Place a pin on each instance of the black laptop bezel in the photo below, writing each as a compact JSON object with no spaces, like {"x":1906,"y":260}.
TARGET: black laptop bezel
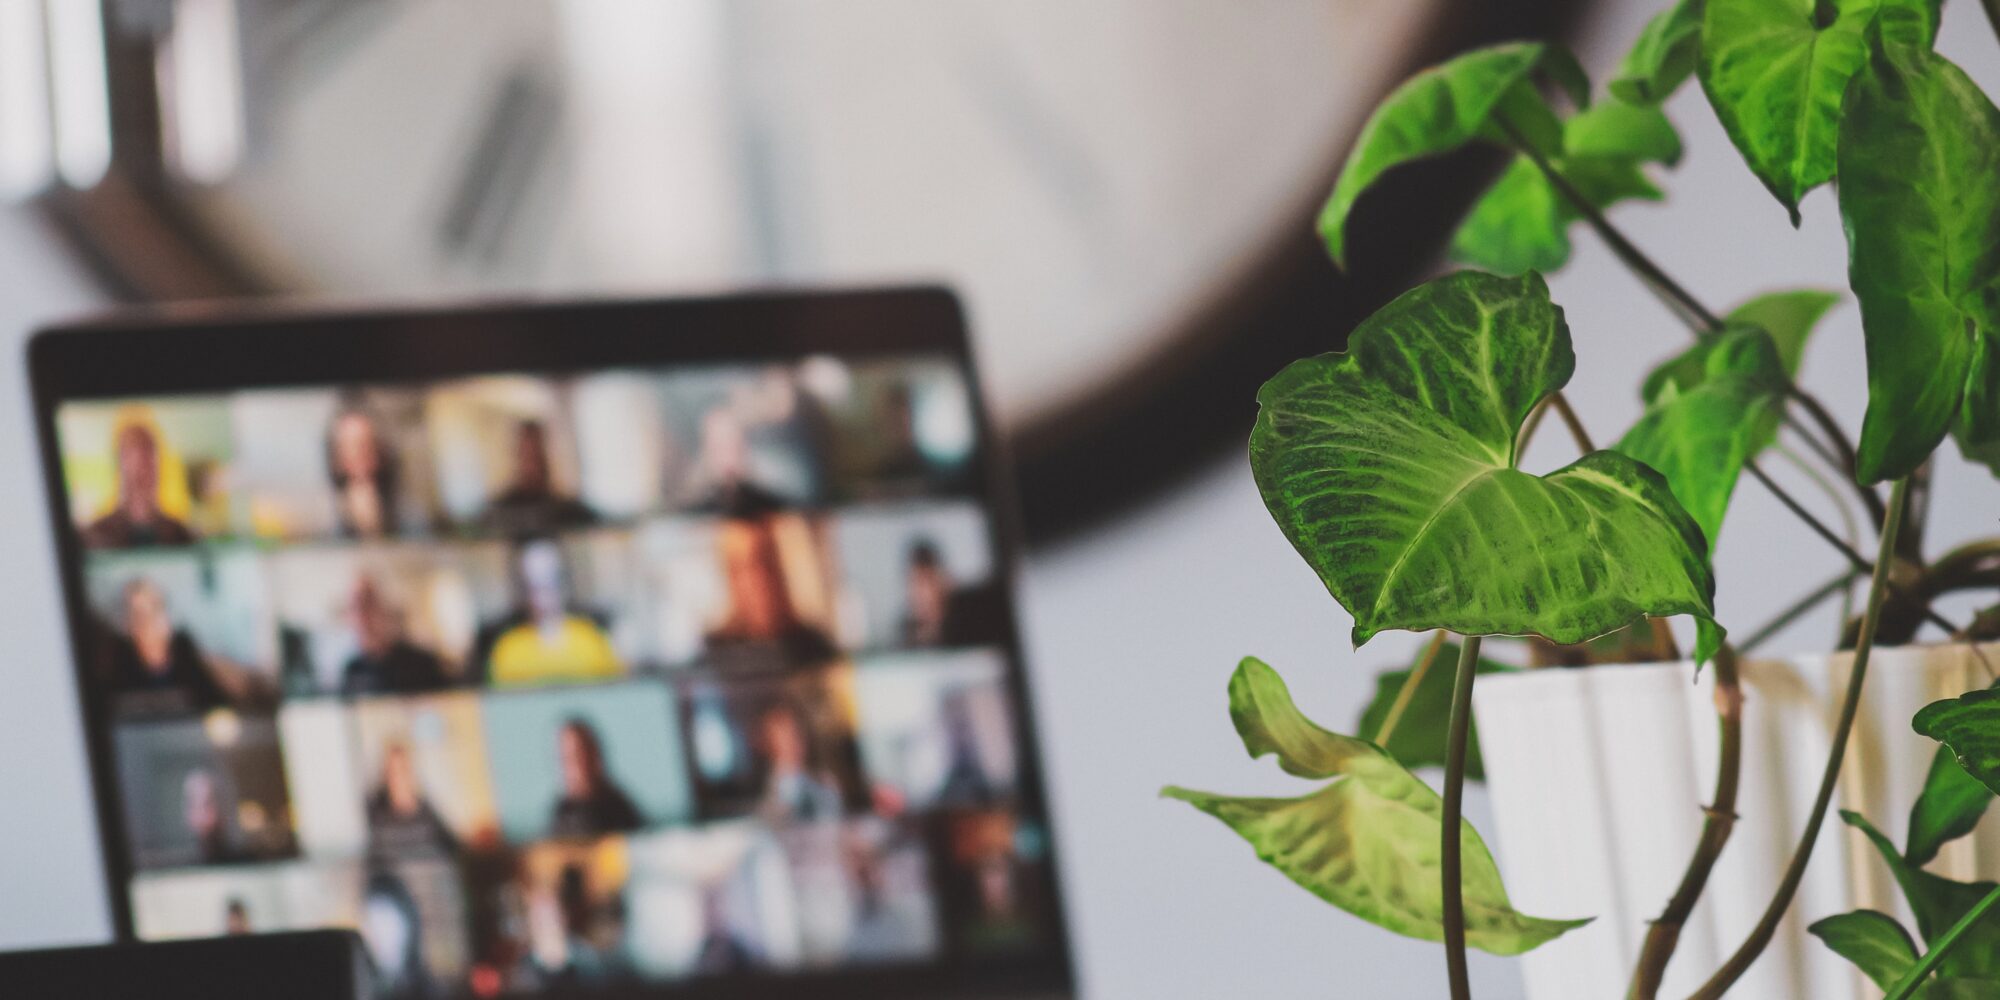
{"x":224,"y":347}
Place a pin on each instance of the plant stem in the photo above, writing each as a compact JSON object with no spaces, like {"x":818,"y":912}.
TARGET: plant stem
{"x":1915,"y":977}
{"x":1878,"y":590}
{"x":1699,"y":319}
{"x":1854,"y":558}
{"x":1454,"y":800}
{"x":1576,"y":431}
{"x":1409,"y":689}
{"x":1634,"y":258}
{"x":1718,"y":821}
{"x":1849,"y":531}
{"x":1792,"y":614}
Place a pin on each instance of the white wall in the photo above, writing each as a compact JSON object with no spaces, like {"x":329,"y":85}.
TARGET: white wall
{"x":1133,"y":632}
{"x":51,"y":890}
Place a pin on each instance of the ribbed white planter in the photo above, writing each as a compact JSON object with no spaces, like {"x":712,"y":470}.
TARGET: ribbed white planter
{"x":1598,"y":777}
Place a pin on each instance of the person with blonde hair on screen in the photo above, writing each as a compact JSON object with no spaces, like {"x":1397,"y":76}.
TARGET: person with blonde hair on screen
{"x":136,"y":517}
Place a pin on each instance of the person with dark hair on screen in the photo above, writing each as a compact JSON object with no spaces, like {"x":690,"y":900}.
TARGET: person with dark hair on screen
{"x":591,"y":803}
{"x":386,"y":662}
{"x":156,"y":668}
{"x":401,"y":821}
{"x":362,"y":466}
{"x":721,"y":951}
{"x":136,"y":519}
{"x":937,"y":611}
{"x":235,"y":917}
{"x":530,"y":505}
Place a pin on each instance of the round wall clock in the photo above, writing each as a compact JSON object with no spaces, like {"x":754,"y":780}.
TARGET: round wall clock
{"x":1121,"y":190}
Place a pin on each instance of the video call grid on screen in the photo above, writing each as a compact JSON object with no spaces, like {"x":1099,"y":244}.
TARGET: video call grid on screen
{"x":648,"y":674}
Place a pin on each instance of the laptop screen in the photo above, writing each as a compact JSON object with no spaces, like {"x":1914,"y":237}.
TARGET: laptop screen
{"x":632,"y":676}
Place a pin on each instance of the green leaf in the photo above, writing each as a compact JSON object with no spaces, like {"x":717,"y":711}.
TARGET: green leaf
{"x":1619,"y":130}
{"x":1700,"y":437}
{"x":1775,"y":71}
{"x":1948,"y":808}
{"x":1960,"y":989}
{"x":1969,"y":725}
{"x":1367,"y":842}
{"x":1873,"y":941}
{"x":1662,"y":57}
{"x":1419,"y":737}
{"x":1789,"y":317}
{"x":1919,"y":154}
{"x":1435,"y":112}
{"x":1938,"y":903}
{"x":1392,"y":470}
{"x":1521,"y":223}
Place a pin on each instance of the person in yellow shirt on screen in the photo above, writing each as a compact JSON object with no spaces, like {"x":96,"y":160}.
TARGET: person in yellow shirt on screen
{"x":550,"y":644}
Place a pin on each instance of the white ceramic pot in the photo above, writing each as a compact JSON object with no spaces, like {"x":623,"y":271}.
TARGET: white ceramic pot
{"x":1598,"y":777}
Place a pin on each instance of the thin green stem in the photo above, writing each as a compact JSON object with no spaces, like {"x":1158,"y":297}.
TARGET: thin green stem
{"x":1850,"y":531}
{"x":1912,"y":979}
{"x":1409,"y":689}
{"x":1854,"y":557}
{"x":1788,"y":886}
{"x":1699,"y":319}
{"x":1569,"y":419}
{"x":1718,"y":821}
{"x":1454,"y":801}
{"x":1797,"y":610}
{"x":1679,"y":299}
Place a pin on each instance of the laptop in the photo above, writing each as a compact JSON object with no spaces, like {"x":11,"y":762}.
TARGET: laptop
{"x":624,"y":649}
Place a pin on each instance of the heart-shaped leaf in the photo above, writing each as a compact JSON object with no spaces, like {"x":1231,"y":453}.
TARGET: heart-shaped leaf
{"x":1872,"y":940}
{"x":1419,"y":737}
{"x":1775,"y":71}
{"x":1919,"y":158}
{"x":1368,"y":841}
{"x":1522,"y":222}
{"x":1969,"y":725}
{"x":1701,"y":436}
{"x":1938,"y":903}
{"x":1442,"y":109}
{"x":1948,"y":808}
{"x":1662,"y":57}
{"x":1392,"y":470}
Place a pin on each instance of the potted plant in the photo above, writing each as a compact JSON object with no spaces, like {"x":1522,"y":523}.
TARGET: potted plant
{"x":1393,"y":467}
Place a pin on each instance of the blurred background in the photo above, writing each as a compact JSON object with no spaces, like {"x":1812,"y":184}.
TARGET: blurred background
{"x":1122,"y":192}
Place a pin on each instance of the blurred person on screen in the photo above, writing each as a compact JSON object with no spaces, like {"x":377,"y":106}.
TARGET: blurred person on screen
{"x":401,"y":820}
{"x":204,"y":813}
{"x":392,"y":929}
{"x":760,"y":605}
{"x":722,"y":481}
{"x":361,"y":465}
{"x":792,"y":791}
{"x":937,"y":611}
{"x":579,"y":940}
{"x":591,"y":803}
{"x":156,"y":667}
{"x":530,"y":504}
{"x":721,"y":951}
{"x":387,"y":662}
{"x":235,"y":917}
{"x":545,"y":642}
{"x":136,"y":518}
